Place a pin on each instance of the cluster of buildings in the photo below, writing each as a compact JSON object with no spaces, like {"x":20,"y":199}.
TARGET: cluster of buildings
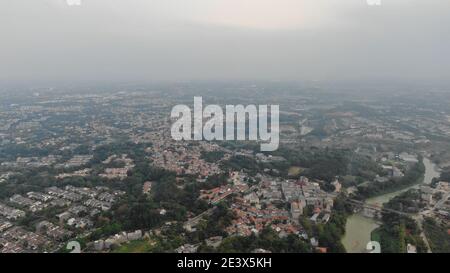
{"x":5,"y":176}
{"x":78,"y":173}
{"x":32,"y":205}
{"x":350,"y":125}
{"x":279,"y":204}
{"x":118,"y":173}
{"x":182,"y":157}
{"x":11,"y":213}
{"x":117,"y":240}
{"x":299,"y":194}
{"x":275,"y":202}
{"x":75,"y":161}
{"x":187,"y":248}
{"x":250,"y":219}
{"x":394,"y":165}
{"x":437,"y":200}
{"x":17,"y":240}
{"x":215,"y":195}
{"x":270,"y":202}
{"x":49,"y":161}
{"x":75,"y":209}
{"x":31,"y":162}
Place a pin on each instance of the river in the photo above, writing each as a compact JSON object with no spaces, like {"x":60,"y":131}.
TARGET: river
{"x":359,"y":228}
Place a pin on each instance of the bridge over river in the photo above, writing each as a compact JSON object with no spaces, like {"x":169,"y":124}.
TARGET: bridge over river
{"x":360,"y":227}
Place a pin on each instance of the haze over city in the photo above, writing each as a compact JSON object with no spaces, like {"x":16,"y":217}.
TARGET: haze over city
{"x":171,"y":40}
{"x":225,"y":126}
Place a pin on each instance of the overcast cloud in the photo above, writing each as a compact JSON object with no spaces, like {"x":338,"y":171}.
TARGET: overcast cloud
{"x":152,"y":40}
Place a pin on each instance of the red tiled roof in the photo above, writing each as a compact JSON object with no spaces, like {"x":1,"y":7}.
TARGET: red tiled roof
{"x":322,"y":249}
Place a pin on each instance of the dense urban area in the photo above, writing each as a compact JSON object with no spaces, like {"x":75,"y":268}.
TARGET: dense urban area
{"x":97,"y":165}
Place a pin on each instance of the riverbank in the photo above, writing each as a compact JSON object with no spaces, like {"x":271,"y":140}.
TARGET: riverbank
{"x":359,"y":228}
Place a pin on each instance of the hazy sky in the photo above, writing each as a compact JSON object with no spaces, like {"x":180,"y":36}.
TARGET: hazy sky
{"x":152,"y":40}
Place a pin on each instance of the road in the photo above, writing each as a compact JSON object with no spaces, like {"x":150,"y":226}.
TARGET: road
{"x":194,"y":221}
{"x":441,"y":202}
{"x":419,"y":219}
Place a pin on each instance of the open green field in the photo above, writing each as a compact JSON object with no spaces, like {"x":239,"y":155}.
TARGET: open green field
{"x":139,"y":246}
{"x":295,"y":170}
